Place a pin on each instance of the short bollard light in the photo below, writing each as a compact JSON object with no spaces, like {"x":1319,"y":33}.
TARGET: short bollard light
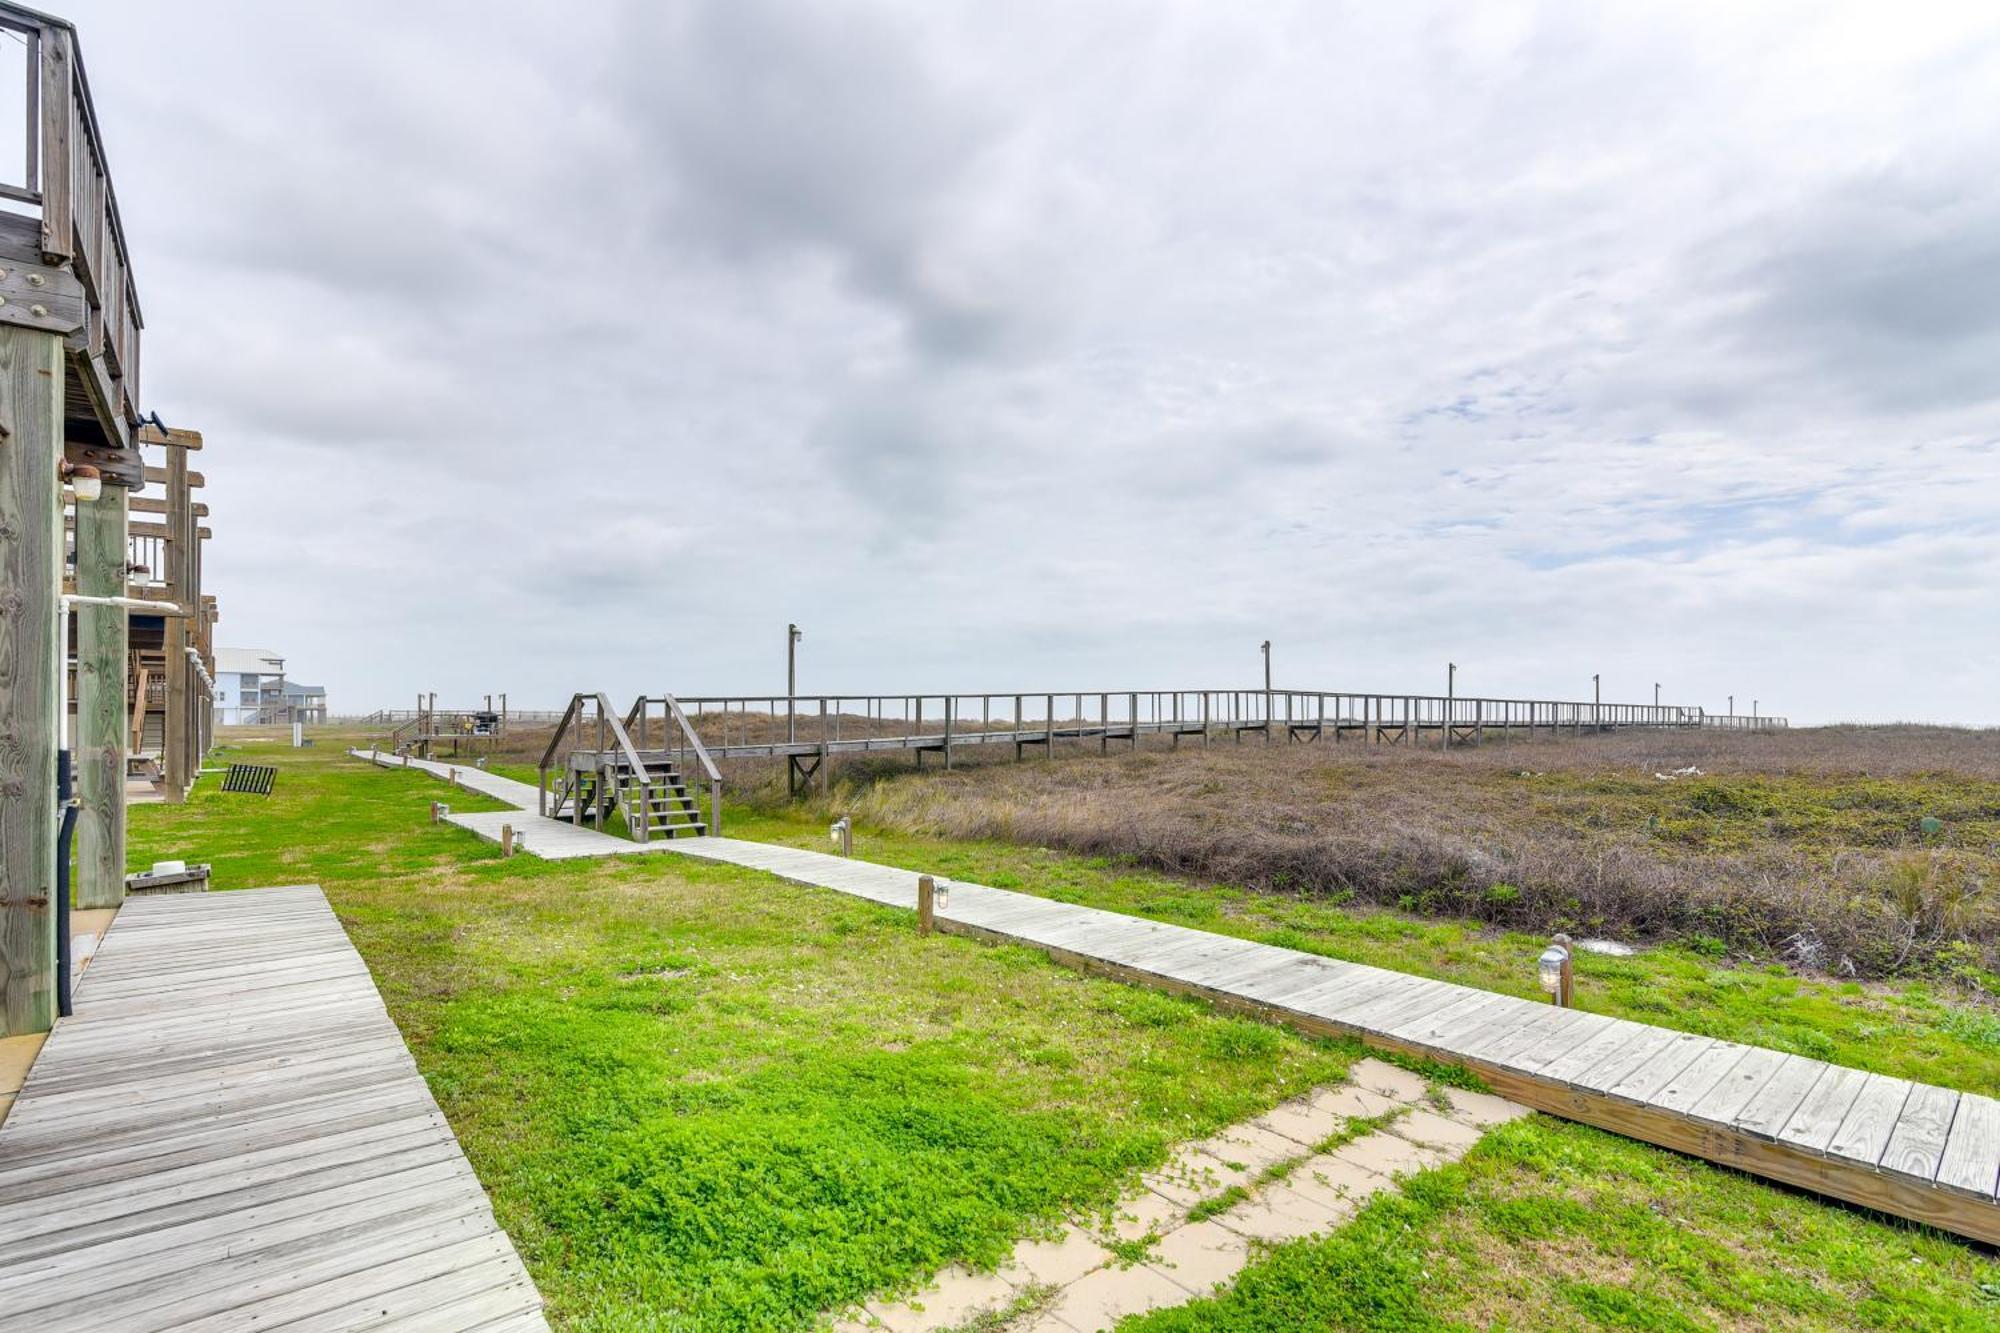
{"x":444,"y":811}
{"x":941,"y":897}
{"x":841,"y":831}
{"x":1553,"y":969}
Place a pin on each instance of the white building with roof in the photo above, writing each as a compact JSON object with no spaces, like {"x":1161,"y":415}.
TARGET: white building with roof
{"x":250,"y":688}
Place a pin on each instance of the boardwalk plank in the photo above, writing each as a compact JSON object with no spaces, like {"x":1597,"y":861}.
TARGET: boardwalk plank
{"x":1916,"y":1145}
{"x":1971,"y":1161}
{"x":1864,"y":1131}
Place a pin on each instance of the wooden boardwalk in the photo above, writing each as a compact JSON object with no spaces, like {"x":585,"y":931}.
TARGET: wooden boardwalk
{"x":1914,"y":1150}
{"x":552,"y":839}
{"x":231,"y":1134}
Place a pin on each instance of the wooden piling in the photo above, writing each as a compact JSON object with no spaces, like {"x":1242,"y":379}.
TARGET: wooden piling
{"x":926,"y":896}
{"x":101,"y":647}
{"x":31,"y":644}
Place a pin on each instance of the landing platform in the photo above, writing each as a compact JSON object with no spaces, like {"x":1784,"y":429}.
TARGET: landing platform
{"x":230,"y":1133}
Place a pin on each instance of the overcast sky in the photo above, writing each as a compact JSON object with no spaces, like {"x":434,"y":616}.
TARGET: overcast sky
{"x":1082,"y":345}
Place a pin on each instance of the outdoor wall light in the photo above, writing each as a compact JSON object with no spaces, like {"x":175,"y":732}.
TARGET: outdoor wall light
{"x":85,"y":480}
{"x":1553,"y":970}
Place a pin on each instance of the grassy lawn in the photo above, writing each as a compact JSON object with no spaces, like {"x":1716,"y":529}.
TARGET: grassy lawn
{"x":703,"y":1098}
{"x":1915,"y":1030}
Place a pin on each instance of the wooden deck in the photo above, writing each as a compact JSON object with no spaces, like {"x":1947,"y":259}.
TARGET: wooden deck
{"x":231,"y":1134}
{"x":1914,"y":1150}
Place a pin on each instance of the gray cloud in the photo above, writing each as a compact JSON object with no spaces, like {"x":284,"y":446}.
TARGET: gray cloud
{"x":1048,"y":343}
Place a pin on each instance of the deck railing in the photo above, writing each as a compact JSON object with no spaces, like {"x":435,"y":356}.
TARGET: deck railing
{"x":62,"y":171}
{"x":775,"y":724}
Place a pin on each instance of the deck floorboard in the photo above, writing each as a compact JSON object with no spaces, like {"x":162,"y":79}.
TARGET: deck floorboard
{"x":231,"y":1133}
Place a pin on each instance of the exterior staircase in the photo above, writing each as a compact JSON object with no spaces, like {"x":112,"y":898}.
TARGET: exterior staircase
{"x":659,"y":804}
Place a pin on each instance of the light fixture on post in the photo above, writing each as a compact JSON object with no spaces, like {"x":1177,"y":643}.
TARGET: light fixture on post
{"x":841,"y":831}
{"x":1554,"y":971}
{"x":85,"y":480}
{"x":941,"y":896}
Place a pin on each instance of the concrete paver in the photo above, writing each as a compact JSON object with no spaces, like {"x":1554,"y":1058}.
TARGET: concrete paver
{"x":1200,"y":1255}
{"x":1387,"y":1079}
{"x":1055,"y":1262}
{"x":1436,"y":1131}
{"x":1100,"y":1299}
{"x":1389,"y":1154}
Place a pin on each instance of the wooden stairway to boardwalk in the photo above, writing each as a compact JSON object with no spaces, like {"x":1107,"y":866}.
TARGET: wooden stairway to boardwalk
{"x":655,"y":804}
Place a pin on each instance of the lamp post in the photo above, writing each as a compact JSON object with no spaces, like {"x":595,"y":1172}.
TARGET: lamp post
{"x":1267,"y":666}
{"x":1732,"y":705}
{"x":1596,"y":700}
{"x":1656,"y":694}
{"x":792,"y":636}
{"x":1450,"y":694}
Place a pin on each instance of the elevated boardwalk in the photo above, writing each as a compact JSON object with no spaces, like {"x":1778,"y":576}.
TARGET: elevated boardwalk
{"x":231,"y":1134}
{"x":1913,"y":1150}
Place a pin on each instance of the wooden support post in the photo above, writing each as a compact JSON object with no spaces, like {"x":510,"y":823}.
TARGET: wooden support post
{"x":950,"y":712}
{"x":176,"y":745}
{"x":31,"y":643}
{"x":100,"y":700}
{"x":926,"y":895}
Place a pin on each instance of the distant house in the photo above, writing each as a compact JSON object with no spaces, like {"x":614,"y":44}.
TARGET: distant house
{"x":305,"y":703}
{"x":251,"y":690}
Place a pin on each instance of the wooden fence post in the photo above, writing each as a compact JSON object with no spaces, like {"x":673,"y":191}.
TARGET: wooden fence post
{"x":926,"y":893}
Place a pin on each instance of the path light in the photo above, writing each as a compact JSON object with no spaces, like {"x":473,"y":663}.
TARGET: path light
{"x":841,"y":831}
{"x":85,"y":480}
{"x":941,"y":896}
{"x":1553,"y":970}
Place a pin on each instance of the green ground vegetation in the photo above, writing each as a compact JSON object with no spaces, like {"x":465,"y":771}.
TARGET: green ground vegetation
{"x":702,"y":1098}
{"x":1915,"y":1030}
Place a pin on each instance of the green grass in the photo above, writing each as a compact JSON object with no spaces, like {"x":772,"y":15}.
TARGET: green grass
{"x":702,"y":1098}
{"x":1546,"y":1225}
{"x":1913,"y":1030}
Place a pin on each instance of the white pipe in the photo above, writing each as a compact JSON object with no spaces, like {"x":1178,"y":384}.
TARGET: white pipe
{"x":194,"y":658}
{"x":70,"y":599}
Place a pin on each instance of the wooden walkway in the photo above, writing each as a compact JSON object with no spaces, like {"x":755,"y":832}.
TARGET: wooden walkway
{"x":231,"y":1134}
{"x":1914,"y":1150}
{"x":552,"y":839}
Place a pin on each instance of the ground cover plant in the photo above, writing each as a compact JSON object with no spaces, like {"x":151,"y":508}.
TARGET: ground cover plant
{"x":702,"y":1098}
{"x":1855,"y":852}
{"x":1912,"y":1027}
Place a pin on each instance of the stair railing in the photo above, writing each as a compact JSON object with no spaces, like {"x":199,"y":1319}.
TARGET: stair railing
{"x":609,"y":729}
{"x":687,"y":745}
